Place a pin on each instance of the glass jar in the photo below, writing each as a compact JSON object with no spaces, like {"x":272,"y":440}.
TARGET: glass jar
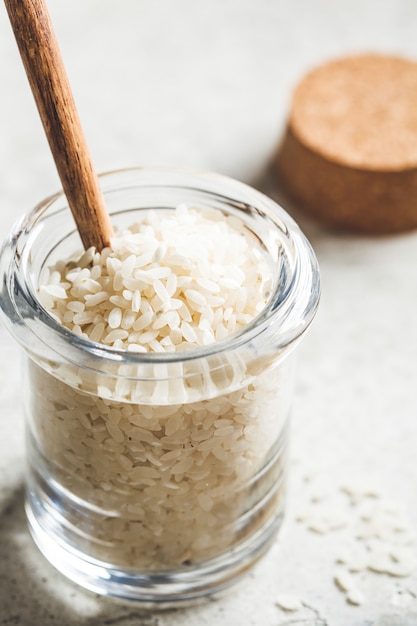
{"x":157,"y":477}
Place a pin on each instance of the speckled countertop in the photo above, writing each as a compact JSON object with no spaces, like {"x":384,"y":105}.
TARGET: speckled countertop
{"x":206,"y":85}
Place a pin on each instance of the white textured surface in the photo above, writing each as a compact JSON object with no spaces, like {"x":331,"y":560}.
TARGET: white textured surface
{"x":207,"y":85}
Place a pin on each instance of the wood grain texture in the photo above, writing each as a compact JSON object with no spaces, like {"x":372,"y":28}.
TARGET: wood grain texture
{"x":44,"y":67}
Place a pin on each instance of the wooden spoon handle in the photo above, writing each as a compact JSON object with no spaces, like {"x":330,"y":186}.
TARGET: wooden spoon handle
{"x":44,"y":67}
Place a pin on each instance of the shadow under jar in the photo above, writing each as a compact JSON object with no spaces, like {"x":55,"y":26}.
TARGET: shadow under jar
{"x":158,"y":477}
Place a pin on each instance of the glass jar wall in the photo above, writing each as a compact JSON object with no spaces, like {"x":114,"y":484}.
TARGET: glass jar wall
{"x":158,"y":477}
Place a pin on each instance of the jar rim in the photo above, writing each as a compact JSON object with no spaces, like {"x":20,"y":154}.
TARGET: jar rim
{"x":285,"y":309}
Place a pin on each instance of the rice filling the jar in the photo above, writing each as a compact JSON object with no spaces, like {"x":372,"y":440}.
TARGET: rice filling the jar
{"x":159,"y":380}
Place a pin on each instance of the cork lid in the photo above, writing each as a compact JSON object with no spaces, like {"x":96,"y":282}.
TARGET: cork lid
{"x":360,"y":111}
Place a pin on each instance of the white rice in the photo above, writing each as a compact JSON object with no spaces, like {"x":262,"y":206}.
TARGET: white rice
{"x":168,"y":453}
{"x":170,"y":273}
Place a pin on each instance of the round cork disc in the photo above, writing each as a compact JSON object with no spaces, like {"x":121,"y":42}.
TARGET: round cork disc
{"x":349,"y":154}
